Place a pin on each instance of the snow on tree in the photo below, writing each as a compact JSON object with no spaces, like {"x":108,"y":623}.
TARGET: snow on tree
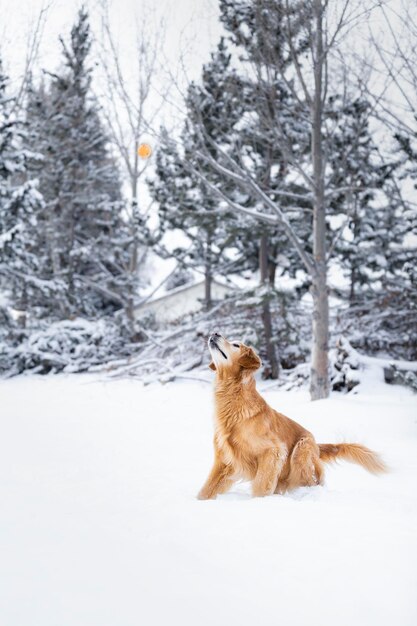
{"x":184,"y":201}
{"x":270,"y":160}
{"x":87,"y":238}
{"x":358,"y":176}
{"x":273,"y":121}
{"x":295,"y":40}
{"x":371,"y":245}
{"x":21,"y":256}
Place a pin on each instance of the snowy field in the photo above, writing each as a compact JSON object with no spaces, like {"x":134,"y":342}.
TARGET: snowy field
{"x":100,"y":525}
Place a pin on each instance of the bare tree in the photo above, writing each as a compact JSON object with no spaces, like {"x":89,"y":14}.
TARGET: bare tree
{"x":323,"y":25}
{"x":394,"y":60}
{"x":131,"y":110}
{"x":33,"y":41}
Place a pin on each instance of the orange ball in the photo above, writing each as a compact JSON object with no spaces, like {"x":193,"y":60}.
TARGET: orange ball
{"x":144,"y":151}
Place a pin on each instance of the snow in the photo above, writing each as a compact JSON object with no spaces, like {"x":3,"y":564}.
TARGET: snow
{"x":100,"y":524}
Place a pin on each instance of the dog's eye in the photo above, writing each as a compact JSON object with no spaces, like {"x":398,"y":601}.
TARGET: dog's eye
{"x":236,"y":345}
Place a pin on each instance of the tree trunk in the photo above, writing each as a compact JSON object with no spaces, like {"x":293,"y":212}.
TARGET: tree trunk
{"x":266,"y":311}
{"x":130,"y":309}
{"x":208,"y":278}
{"x":133,"y":263}
{"x":272,"y":266}
{"x":352,"y":291}
{"x":319,"y":375}
{"x":207,"y":288}
{"x":319,"y":380}
{"x":354,"y":266}
{"x":71,"y":307}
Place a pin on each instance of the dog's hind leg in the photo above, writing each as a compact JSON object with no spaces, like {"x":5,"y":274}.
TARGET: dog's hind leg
{"x":270,"y":465}
{"x":219,"y":481}
{"x":306,"y":467}
{"x":318,"y":470}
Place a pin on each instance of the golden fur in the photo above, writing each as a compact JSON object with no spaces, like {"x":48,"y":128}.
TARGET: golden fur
{"x":254,"y":442}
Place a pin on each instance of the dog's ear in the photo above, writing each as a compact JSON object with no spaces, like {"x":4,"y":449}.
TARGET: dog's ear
{"x":250,"y":360}
{"x":212,"y":366}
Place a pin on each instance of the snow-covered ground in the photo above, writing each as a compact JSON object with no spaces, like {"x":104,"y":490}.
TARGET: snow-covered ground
{"x":100,"y":526}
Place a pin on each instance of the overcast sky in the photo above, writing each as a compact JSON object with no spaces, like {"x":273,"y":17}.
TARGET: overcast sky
{"x":191,"y":27}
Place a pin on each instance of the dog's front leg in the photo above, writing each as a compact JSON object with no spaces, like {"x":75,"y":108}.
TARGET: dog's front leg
{"x":219,"y":481}
{"x":270,"y":465}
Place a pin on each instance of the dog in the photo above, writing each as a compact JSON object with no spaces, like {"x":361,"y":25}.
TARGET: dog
{"x":254,"y":442}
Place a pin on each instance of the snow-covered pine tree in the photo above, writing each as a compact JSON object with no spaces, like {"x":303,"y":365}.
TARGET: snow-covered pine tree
{"x":305,"y":35}
{"x":87,"y":238}
{"x":185,"y":207}
{"x":394,"y":250}
{"x":22,"y":260}
{"x":371,"y":243}
{"x":185,"y":203}
{"x":358,"y":175}
{"x":407,"y":226}
{"x":271,"y":122}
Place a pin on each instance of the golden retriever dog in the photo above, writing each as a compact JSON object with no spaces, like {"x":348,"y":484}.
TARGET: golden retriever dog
{"x":254,"y":442}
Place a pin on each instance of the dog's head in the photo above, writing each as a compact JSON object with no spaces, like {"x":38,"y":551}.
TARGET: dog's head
{"x":231,"y":357}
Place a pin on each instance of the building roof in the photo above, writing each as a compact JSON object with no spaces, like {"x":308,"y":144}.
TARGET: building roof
{"x":181,"y":289}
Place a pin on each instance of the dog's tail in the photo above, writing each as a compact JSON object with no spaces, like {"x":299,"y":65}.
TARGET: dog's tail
{"x":355,"y":453}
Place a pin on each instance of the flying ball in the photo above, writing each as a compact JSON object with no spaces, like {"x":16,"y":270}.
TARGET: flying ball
{"x":144,"y":151}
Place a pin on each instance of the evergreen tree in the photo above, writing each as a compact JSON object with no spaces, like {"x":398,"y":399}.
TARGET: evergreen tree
{"x":228,"y":114}
{"x":358,"y":177}
{"x":272,"y":122}
{"x":403,"y":261}
{"x":87,"y":237}
{"x":185,"y":202}
{"x":21,"y":204}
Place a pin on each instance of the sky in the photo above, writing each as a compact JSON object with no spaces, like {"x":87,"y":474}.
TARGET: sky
{"x":190,"y":30}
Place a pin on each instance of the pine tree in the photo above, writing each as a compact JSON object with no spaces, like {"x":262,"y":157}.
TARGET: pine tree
{"x":271,"y":121}
{"x":358,"y":176}
{"x":403,"y":261}
{"x":21,"y":204}
{"x":185,"y":202}
{"x":370,"y":244}
{"x":184,"y":205}
{"x":87,"y":237}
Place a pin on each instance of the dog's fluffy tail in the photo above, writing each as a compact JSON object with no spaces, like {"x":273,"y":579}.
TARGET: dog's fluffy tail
{"x":355,"y":453}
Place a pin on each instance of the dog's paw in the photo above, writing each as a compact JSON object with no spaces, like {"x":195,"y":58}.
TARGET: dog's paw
{"x":203,"y":495}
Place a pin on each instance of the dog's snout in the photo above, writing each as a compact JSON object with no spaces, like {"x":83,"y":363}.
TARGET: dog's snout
{"x":213,"y":339}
